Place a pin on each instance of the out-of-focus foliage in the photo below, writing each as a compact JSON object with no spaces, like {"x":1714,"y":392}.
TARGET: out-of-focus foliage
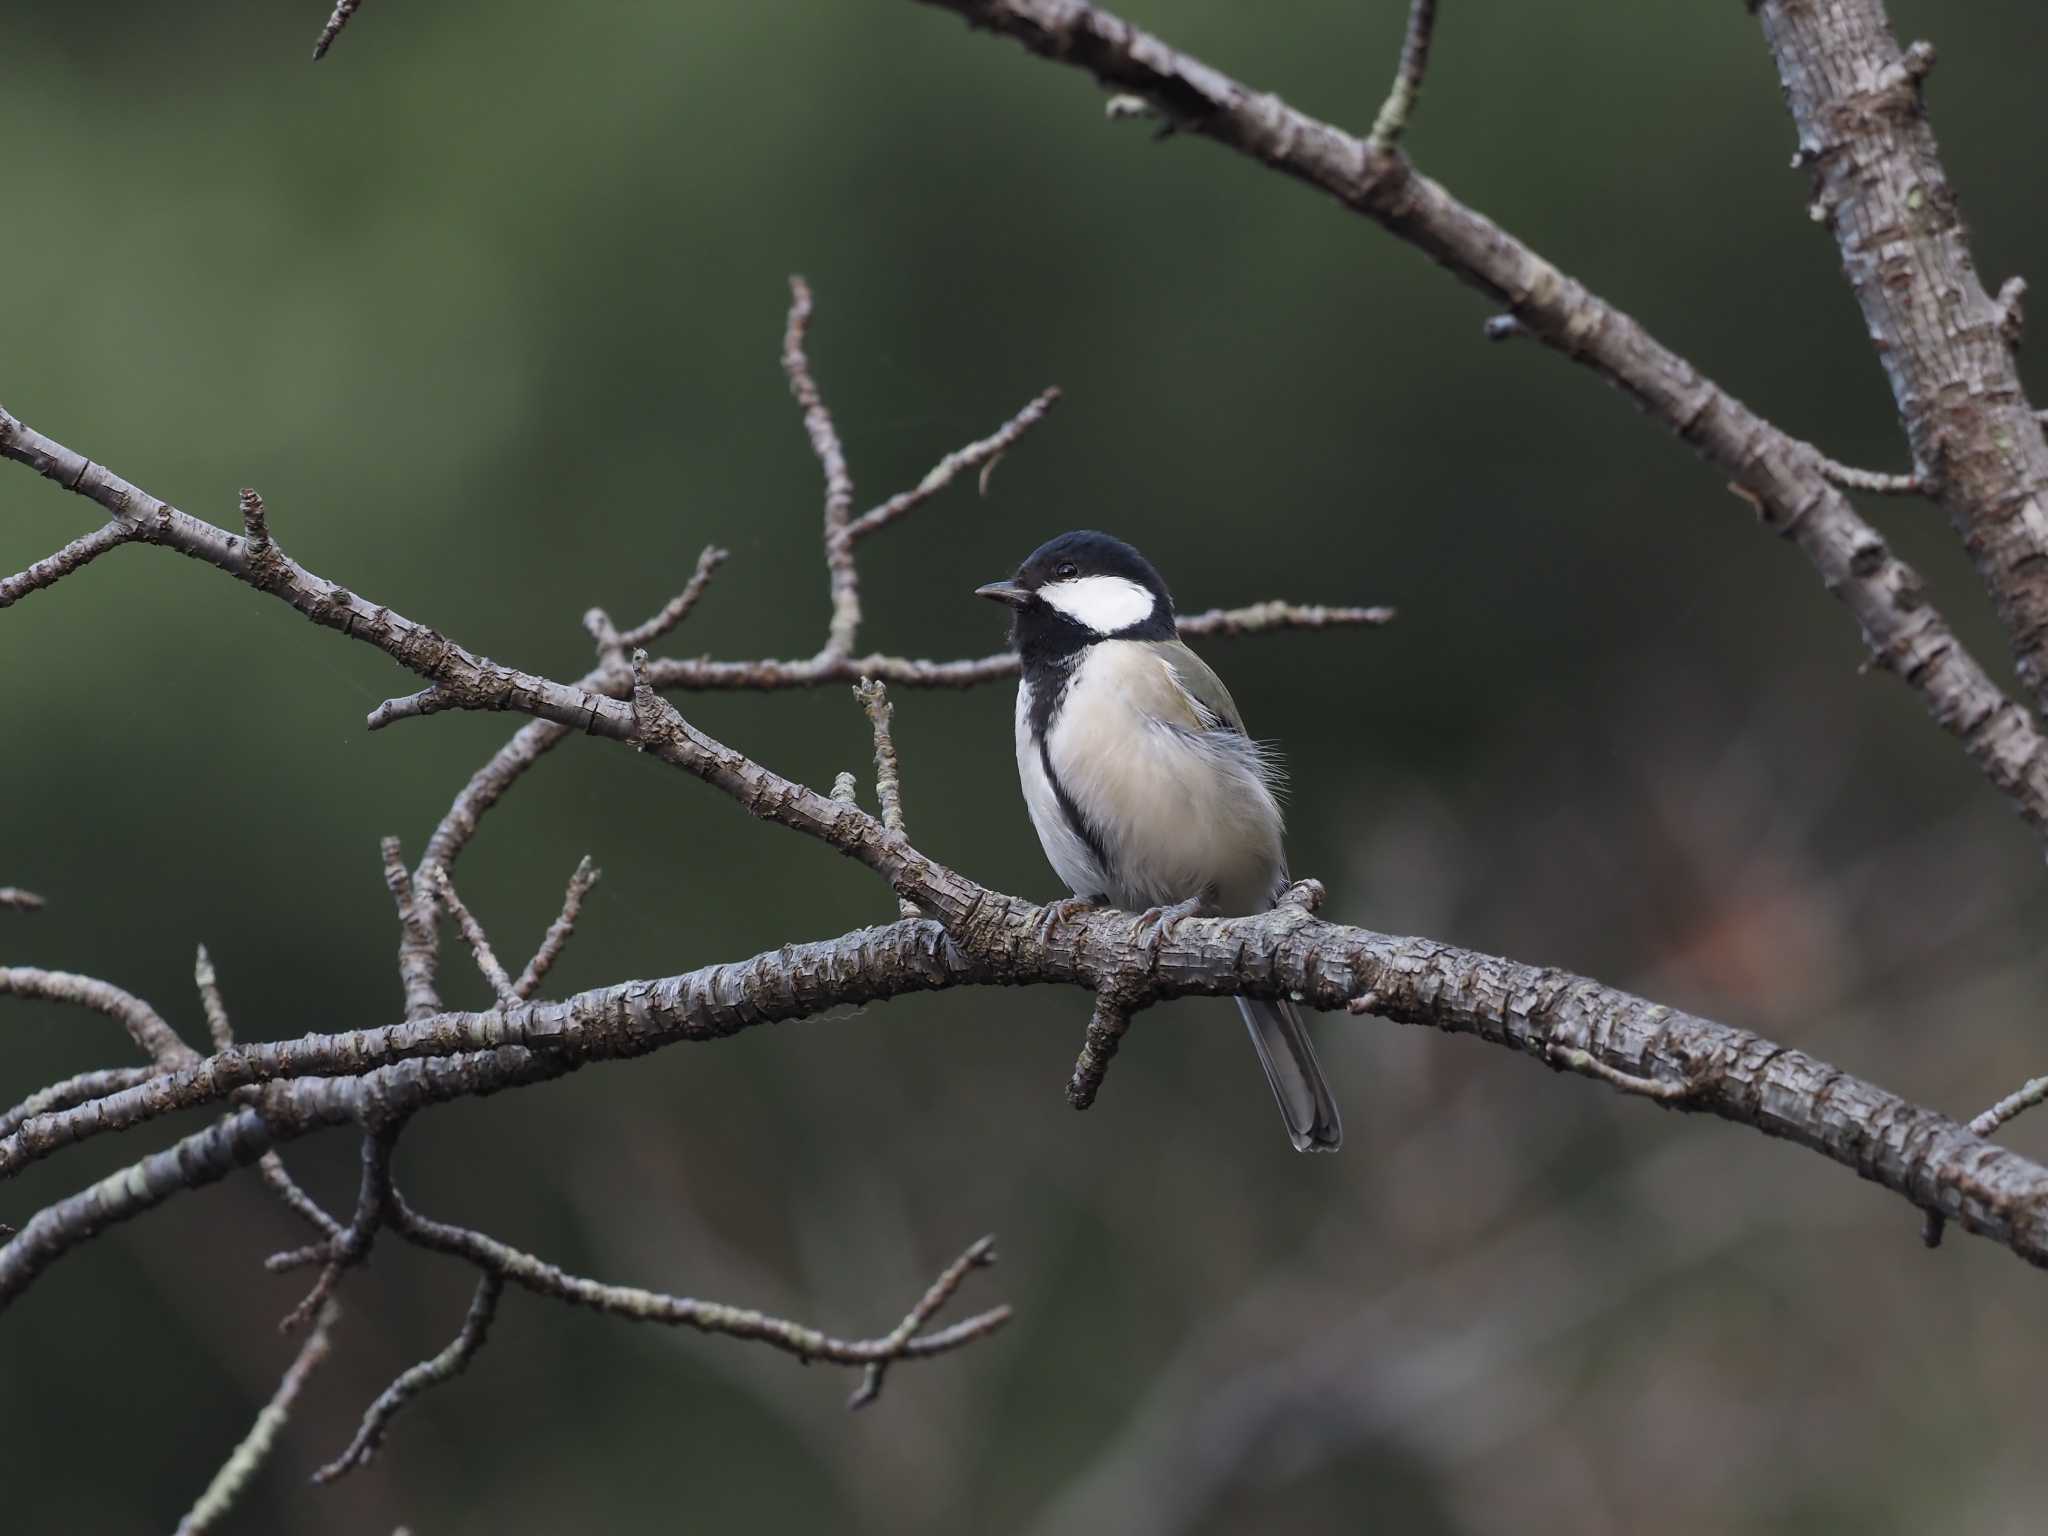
{"x":487,"y":305}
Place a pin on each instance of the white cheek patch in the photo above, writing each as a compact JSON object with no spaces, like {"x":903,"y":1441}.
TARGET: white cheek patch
{"x":1105,"y":604}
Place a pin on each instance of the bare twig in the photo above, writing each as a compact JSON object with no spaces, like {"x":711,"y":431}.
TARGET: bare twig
{"x":418,"y":934}
{"x":983,"y":455}
{"x":1877,"y":482}
{"x":806,"y":1343}
{"x":233,"y":1478}
{"x":270,"y":1165}
{"x":678,"y":607}
{"x":52,"y":569}
{"x":70,"y":1091}
{"x":874,"y":698}
{"x":343,"y":10}
{"x":559,"y":931}
{"x":1572,"y":1059}
{"x":979,"y":1255}
{"x":350,"y":1246}
{"x":218,"y":1026}
{"x":2025,"y":1098}
{"x":1400,"y":102}
{"x":839,"y":562}
{"x":473,"y":932}
{"x":448,"y":1364}
{"x":145,"y":1026}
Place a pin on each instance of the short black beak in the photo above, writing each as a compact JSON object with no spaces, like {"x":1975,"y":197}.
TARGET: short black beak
{"x":1005,"y":592}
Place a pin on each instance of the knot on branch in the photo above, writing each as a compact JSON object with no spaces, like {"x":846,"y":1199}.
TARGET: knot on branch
{"x":267,"y":570}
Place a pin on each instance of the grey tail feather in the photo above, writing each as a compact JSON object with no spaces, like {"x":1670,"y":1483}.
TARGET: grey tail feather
{"x":1289,"y":1058}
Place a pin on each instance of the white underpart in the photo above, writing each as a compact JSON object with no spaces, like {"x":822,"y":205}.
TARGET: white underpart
{"x":1180,"y":812}
{"x":1065,"y":849}
{"x":1105,"y":604}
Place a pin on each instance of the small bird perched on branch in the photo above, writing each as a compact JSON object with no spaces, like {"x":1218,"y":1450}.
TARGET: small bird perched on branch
{"x":1144,"y":788}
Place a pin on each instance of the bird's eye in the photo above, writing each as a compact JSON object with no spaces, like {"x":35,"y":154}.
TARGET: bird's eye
{"x":1066,"y":570}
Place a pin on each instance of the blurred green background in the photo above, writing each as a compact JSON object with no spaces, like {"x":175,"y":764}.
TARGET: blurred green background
{"x":488,"y":305}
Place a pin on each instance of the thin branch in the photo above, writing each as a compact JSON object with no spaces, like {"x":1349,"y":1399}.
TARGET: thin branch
{"x":473,"y":932}
{"x":839,"y":562}
{"x":1877,"y":482}
{"x":448,"y":1364}
{"x":70,"y":1091}
{"x":145,"y":1026}
{"x":217,"y":1024}
{"x":678,"y":607}
{"x":874,"y":698}
{"x":270,"y":1165}
{"x":232,"y":1479}
{"x":1393,"y":114}
{"x":2025,"y":1098}
{"x":983,"y":455}
{"x":52,"y":569}
{"x":979,"y":1255}
{"x":350,"y":1246}
{"x":418,"y":934}
{"x":559,"y":931}
{"x":343,"y":10}
{"x":1782,"y":475}
{"x":1106,"y":1026}
{"x":806,"y":1343}
{"x":1573,"y":1059}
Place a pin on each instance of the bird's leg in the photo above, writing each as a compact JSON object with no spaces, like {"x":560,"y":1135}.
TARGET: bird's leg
{"x":1156,"y":924}
{"x":1053,"y":913}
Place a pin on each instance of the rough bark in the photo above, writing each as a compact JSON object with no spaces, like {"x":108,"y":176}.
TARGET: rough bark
{"x":1680,"y":1059}
{"x":1945,"y":341}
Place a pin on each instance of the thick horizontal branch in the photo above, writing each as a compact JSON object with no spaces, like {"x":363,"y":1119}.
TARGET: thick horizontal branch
{"x":1537,"y":1011}
{"x":1783,"y":477}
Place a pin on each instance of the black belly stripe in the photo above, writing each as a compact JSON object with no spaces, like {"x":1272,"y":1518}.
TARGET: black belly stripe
{"x":1075,"y":820}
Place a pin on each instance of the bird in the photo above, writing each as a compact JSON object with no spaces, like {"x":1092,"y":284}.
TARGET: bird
{"x":1145,"y":790}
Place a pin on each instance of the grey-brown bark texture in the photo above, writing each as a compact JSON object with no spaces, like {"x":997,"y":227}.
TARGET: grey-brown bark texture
{"x":1945,"y":343}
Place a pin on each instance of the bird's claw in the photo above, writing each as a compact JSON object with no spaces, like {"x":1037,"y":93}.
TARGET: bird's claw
{"x":1156,"y":924}
{"x":1053,"y":913}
